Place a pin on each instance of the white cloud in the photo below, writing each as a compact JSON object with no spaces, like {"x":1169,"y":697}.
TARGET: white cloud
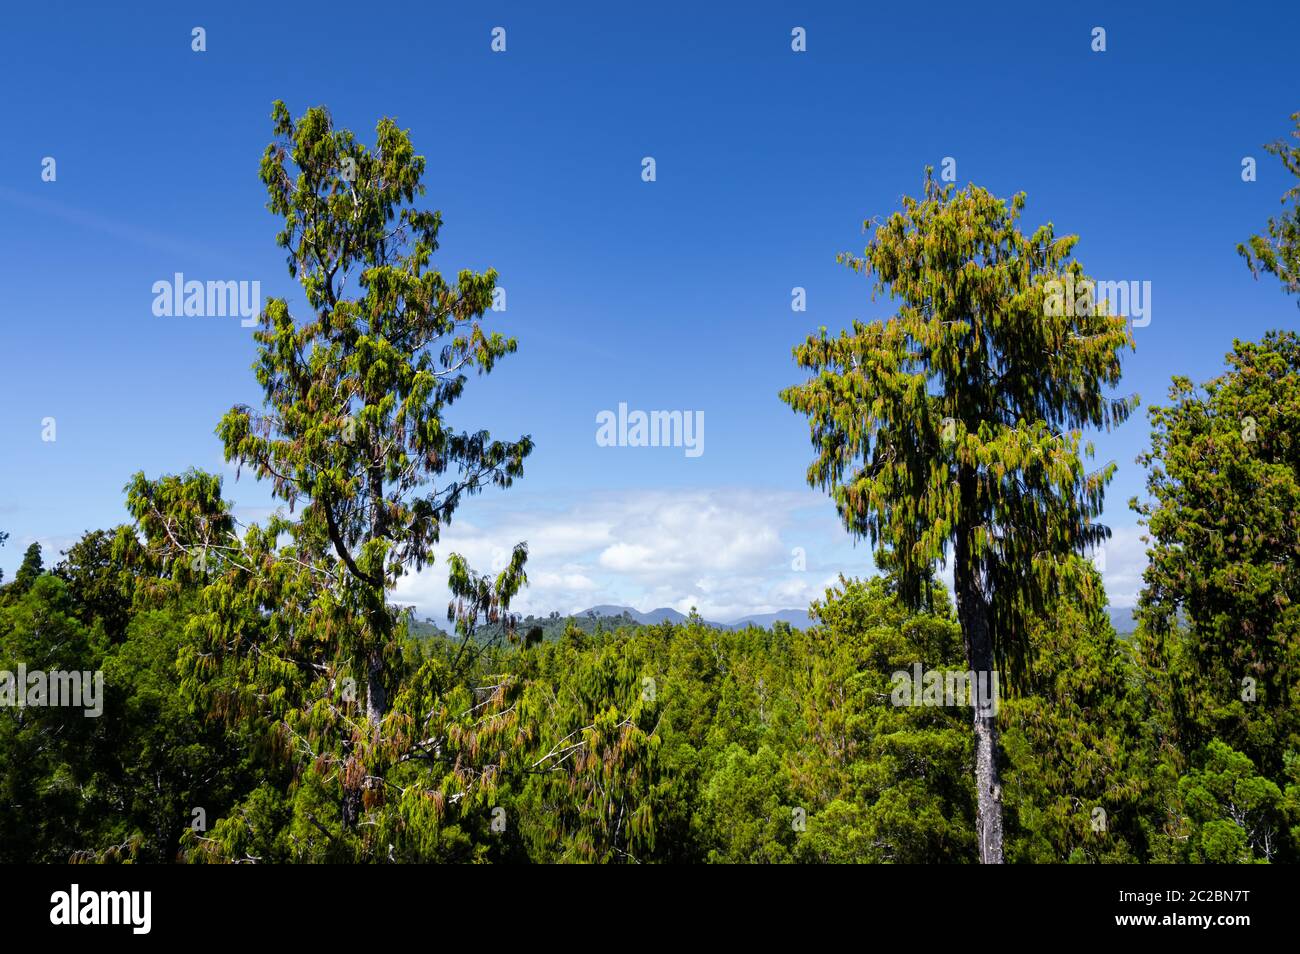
{"x":725,"y":552}
{"x":1125,"y":560}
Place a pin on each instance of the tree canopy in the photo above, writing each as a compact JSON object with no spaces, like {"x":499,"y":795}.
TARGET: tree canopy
{"x":954,"y":427}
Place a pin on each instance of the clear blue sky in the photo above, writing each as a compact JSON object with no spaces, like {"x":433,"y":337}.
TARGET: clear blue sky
{"x":673,"y":294}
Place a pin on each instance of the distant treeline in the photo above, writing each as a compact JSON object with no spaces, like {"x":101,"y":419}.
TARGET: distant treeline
{"x":531,"y":629}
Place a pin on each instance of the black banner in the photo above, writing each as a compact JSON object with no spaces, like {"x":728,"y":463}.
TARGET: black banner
{"x":269,"y":904}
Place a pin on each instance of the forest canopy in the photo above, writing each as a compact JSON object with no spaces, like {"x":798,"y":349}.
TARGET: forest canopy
{"x":266,"y":700}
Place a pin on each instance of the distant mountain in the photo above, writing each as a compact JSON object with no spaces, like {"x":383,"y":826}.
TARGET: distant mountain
{"x":798,"y":619}
{"x":1121,"y":617}
{"x":608,"y":616}
{"x":646,"y":619}
{"x":608,"y":609}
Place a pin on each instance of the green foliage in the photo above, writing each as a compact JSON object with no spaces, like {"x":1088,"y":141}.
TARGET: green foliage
{"x":100,"y":589}
{"x":31,"y":568}
{"x":641,"y":744}
{"x":1278,"y":252}
{"x":41,"y":746}
{"x":264,"y":702}
{"x":956,"y":422}
{"x":747,"y":808}
{"x":293,"y":629}
{"x":1218,"y":643}
{"x":1077,"y":782}
{"x":1221,"y":609}
{"x":900,"y":773}
{"x":1231,"y":814}
{"x":122,"y":785}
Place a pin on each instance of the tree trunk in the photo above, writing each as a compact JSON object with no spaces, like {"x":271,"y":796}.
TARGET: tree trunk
{"x":988,"y":788}
{"x":376,"y":694}
{"x":973,"y":613}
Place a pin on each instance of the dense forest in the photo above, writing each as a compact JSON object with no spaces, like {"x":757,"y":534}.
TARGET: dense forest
{"x":265,"y":701}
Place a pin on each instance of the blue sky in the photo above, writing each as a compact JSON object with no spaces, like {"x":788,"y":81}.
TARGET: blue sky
{"x":666,"y":295}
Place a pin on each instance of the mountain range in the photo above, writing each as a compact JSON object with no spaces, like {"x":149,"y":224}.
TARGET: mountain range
{"x":798,"y":619}
{"x":1121,"y":617}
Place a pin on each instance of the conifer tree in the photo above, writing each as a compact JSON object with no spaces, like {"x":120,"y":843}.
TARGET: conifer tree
{"x":1278,"y":251}
{"x":954,"y":426}
{"x":28,"y":571}
{"x":356,"y":397}
{"x":1220,"y":608}
{"x":353,"y":436}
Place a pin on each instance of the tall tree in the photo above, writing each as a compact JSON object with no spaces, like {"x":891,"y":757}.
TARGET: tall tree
{"x":353,"y":436}
{"x":956,"y":422}
{"x":1220,"y":609}
{"x":28,"y":571}
{"x":356,"y":397}
{"x":101,"y":589}
{"x":1278,"y":252}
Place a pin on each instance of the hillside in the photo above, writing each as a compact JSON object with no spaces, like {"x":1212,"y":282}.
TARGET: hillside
{"x":609,"y":617}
